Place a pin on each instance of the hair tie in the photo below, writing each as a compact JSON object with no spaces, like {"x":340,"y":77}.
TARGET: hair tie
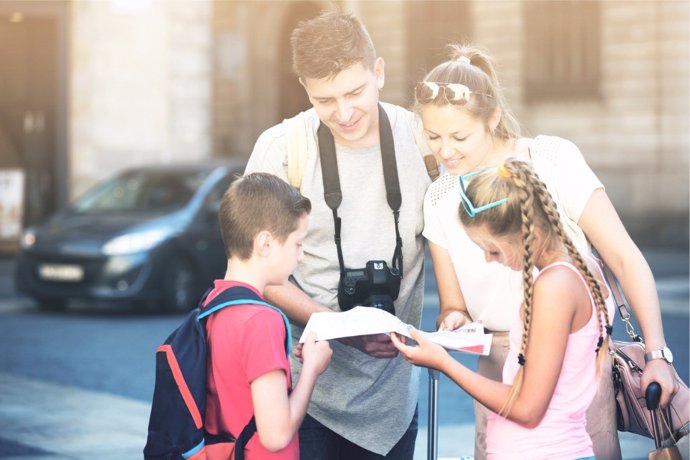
{"x":464,"y":60}
{"x":609,"y":330}
{"x":600,"y":342}
{"x":521,"y":359}
{"x":504,"y":172}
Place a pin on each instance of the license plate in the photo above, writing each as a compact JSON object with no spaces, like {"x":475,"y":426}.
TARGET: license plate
{"x":61,"y":272}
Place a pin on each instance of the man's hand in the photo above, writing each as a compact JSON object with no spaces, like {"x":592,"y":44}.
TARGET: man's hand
{"x":375,"y":345}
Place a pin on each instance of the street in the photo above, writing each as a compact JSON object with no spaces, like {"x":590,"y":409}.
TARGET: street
{"x":78,"y":384}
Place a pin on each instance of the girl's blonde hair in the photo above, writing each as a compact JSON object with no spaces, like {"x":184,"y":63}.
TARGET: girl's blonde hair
{"x":528,"y":205}
{"x":471,"y":66}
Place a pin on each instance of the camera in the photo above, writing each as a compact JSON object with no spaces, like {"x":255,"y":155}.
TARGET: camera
{"x":376,"y":286}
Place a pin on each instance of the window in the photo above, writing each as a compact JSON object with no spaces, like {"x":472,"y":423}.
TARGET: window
{"x":562,"y":45}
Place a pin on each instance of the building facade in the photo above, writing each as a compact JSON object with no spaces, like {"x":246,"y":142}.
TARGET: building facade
{"x":140,"y":81}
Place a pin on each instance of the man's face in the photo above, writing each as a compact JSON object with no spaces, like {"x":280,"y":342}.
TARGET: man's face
{"x":347,"y":103}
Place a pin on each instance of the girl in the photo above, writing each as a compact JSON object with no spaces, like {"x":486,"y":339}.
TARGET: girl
{"x":468,"y":125}
{"x":550,"y":376}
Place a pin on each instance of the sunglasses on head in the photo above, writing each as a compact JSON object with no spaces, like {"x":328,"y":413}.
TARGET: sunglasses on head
{"x":454,"y":93}
{"x":467,"y":204}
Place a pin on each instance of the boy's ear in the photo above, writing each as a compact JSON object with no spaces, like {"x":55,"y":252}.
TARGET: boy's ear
{"x":262,"y":243}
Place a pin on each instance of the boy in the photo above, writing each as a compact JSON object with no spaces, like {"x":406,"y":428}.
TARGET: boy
{"x":263,"y":222}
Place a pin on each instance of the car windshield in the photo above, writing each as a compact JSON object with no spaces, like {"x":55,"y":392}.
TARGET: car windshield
{"x":142,"y":191}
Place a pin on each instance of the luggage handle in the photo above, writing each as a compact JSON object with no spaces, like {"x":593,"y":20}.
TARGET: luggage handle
{"x":432,"y":427}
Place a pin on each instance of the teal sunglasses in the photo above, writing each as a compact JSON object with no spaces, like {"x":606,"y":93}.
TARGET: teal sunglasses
{"x":467,"y":204}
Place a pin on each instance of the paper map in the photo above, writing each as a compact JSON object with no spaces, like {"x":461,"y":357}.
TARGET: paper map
{"x":366,"y":320}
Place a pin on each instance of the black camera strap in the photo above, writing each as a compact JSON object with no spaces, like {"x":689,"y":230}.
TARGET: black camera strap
{"x":331,"y":182}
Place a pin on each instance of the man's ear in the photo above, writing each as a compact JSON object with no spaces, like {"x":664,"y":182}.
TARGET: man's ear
{"x":379,"y":71}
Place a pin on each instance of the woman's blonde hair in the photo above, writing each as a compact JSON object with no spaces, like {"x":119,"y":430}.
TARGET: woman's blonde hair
{"x":471,"y":66}
{"x":528,"y":205}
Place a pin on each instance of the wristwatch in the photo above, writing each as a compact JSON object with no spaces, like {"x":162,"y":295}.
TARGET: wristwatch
{"x":664,"y":353}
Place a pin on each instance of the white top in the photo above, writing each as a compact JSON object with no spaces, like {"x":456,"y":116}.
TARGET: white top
{"x":357,"y":392}
{"x":492,"y":291}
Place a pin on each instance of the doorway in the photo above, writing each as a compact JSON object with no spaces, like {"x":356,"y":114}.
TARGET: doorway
{"x":32,"y":103}
{"x":293,"y":98}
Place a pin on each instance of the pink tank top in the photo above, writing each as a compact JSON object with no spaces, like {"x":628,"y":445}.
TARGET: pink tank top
{"x":561,"y":433}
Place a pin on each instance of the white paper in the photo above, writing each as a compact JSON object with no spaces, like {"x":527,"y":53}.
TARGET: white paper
{"x":366,"y":320}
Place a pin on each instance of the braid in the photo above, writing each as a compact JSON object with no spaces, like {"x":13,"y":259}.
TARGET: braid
{"x":553,"y":217}
{"x":526,"y":199}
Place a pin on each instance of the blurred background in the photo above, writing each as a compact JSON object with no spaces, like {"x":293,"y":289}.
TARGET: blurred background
{"x":91,"y":86}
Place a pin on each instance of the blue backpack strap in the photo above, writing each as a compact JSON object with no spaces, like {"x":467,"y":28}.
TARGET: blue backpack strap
{"x":239,"y":295}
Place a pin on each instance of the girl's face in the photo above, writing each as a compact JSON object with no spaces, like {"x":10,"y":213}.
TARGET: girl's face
{"x":459,"y":141}
{"x":506,"y":250}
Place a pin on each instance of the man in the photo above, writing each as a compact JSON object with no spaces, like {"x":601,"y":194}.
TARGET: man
{"x":364,"y":405}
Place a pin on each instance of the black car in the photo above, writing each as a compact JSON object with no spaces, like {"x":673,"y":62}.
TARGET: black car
{"x":149,"y":237}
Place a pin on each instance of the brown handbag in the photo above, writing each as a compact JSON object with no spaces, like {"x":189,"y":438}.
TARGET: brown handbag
{"x":628,"y":365}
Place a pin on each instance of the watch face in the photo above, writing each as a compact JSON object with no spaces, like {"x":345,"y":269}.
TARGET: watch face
{"x":668,"y":356}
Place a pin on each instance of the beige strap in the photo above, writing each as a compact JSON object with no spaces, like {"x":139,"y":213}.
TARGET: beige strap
{"x":297,"y":137}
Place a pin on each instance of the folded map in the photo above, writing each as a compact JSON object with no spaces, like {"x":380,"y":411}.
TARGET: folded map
{"x":366,"y":320}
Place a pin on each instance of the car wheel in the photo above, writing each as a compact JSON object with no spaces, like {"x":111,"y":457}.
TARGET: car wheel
{"x":179,"y":293}
{"x":51,"y":303}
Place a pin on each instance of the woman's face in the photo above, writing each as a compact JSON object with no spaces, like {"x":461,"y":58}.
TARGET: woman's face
{"x":459,"y":141}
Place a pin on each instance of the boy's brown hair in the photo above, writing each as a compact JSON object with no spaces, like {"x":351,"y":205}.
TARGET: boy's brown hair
{"x":334,"y":41}
{"x":258,"y":202}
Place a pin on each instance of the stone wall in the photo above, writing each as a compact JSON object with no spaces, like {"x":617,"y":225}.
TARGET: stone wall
{"x":139,"y":85}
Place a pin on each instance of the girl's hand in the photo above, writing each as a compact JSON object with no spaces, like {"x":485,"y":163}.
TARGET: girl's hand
{"x":426,"y":353}
{"x":659,"y":371}
{"x":314,"y":355}
{"x":452,"y":321}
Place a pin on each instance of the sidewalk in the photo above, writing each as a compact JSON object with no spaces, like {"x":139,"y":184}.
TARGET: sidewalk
{"x":47,"y":421}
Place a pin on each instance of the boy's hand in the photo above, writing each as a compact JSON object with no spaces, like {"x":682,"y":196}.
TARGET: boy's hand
{"x":375,"y":345}
{"x":315,"y":355}
{"x":426,"y":353}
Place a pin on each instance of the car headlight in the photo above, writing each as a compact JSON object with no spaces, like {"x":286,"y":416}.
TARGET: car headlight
{"x":28,"y":238}
{"x":136,"y":242}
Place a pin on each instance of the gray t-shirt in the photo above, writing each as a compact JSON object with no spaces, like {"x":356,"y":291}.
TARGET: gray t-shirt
{"x":366,"y":400}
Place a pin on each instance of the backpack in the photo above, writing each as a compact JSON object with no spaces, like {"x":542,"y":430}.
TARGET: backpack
{"x":176,"y":424}
{"x":300,"y":138}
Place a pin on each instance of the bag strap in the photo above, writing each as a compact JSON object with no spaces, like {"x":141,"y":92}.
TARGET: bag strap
{"x":232,"y":296}
{"x":331,"y":183}
{"x":297,"y":137}
{"x":612,"y":281}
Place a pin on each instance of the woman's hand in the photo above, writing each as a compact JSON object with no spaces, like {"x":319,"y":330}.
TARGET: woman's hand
{"x":659,"y":371}
{"x":426,"y":353}
{"x":452,"y":321}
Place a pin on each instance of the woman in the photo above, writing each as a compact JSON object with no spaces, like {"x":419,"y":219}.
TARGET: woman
{"x":468,"y":125}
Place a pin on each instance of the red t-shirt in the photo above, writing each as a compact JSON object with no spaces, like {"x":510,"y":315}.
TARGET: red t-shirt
{"x":244,"y":343}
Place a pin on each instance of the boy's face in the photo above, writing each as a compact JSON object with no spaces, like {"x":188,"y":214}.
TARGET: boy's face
{"x":347,"y":103}
{"x":285,"y":256}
